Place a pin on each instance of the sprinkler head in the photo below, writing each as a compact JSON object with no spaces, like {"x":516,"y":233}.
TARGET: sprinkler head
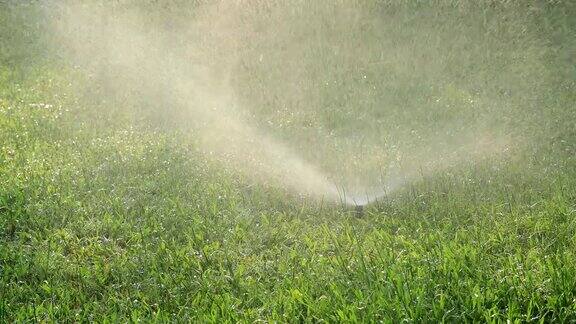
{"x":359,"y":209}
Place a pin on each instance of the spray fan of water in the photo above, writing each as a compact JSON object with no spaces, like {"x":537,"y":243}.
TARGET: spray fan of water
{"x":217,"y":66}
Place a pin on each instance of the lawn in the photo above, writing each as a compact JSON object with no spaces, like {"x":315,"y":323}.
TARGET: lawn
{"x":131,"y":191}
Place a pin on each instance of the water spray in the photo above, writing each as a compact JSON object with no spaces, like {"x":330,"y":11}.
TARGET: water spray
{"x":196,"y":86}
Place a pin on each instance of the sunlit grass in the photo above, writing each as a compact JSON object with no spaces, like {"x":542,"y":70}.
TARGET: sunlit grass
{"x":109,"y":211}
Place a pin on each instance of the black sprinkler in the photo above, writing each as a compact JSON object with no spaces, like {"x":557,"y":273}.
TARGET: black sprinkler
{"x":359,"y":209}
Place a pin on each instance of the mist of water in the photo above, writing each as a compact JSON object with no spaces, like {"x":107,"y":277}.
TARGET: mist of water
{"x":198,"y":64}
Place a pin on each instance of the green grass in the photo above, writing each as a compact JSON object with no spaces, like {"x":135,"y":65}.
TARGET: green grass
{"x":108,"y":212}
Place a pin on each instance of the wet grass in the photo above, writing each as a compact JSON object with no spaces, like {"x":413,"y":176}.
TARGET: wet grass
{"x":105,"y":215}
